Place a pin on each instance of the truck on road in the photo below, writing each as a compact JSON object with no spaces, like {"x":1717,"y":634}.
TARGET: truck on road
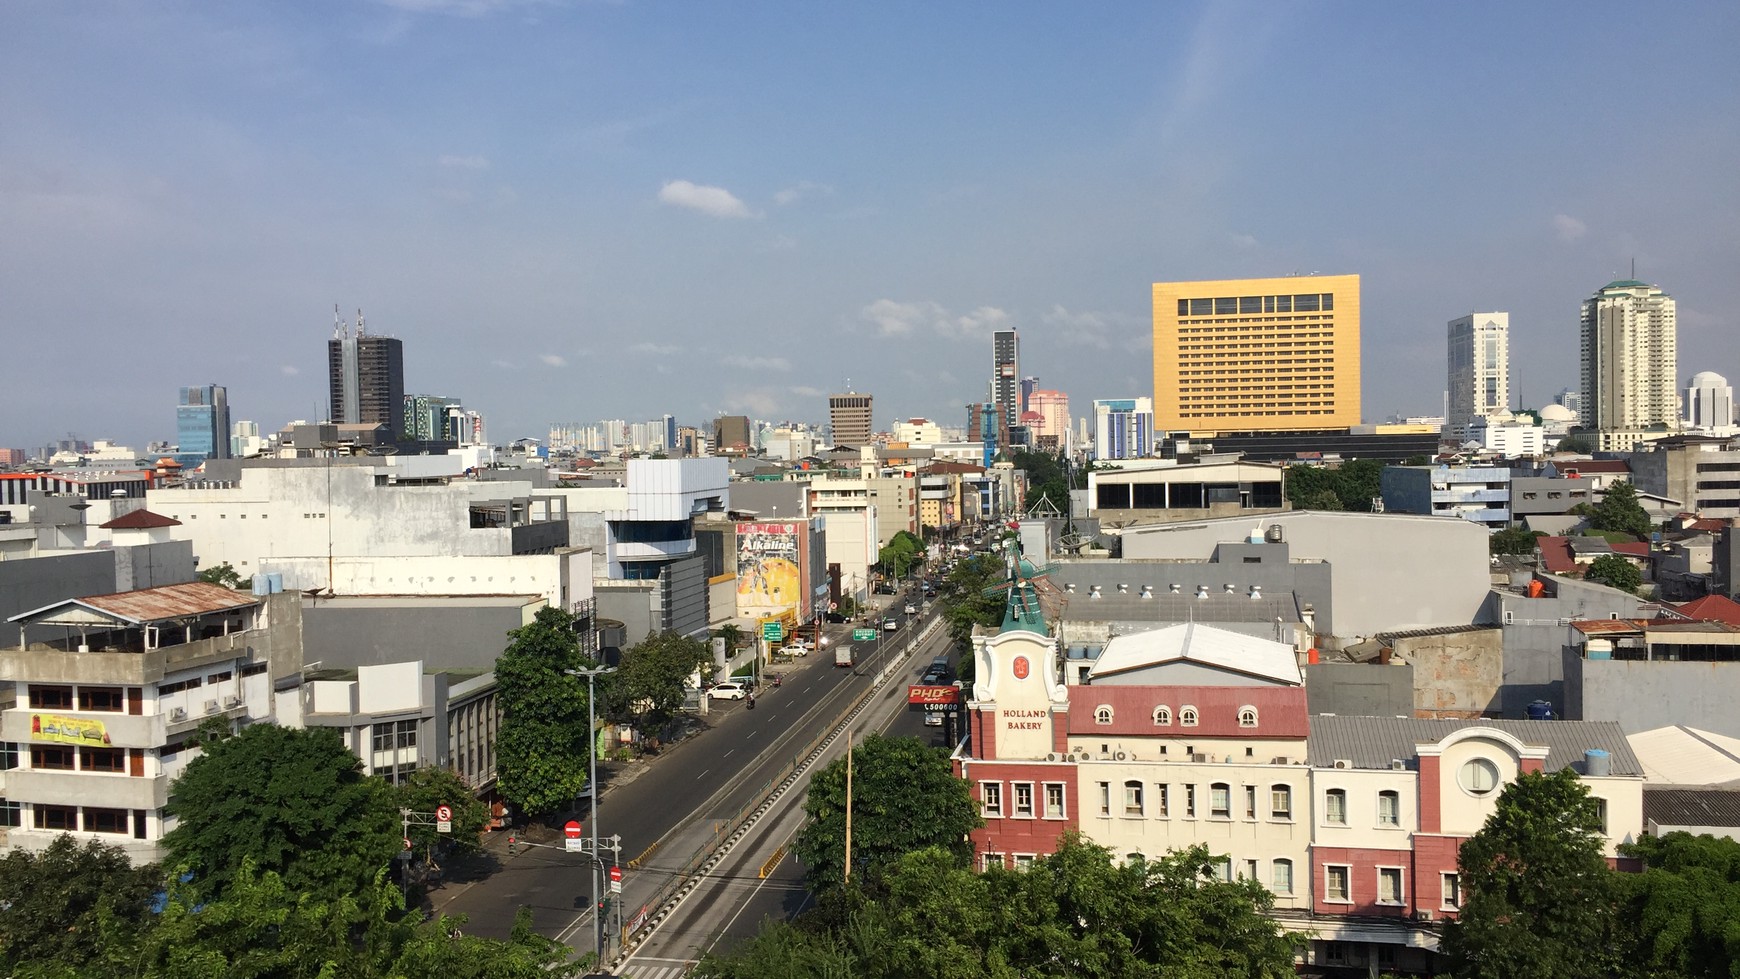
{"x":843,"y":655}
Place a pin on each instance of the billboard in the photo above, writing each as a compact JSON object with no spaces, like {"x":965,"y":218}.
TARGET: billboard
{"x":770,"y":568}
{"x":933,"y":695}
{"x":68,"y":730}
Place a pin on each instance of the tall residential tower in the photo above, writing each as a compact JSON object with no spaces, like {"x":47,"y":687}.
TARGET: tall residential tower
{"x":1630,"y":364}
{"x":1006,"y":380}
{"x":1479,"y":369}
{"x":1256,"y":355}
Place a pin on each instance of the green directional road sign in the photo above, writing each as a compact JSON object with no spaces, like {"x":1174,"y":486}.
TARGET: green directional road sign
{"x":773,"y":631}
{"x":863,"y":635}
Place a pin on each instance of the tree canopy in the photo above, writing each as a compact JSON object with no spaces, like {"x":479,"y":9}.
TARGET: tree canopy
{"x":903,"y":552}
{"x":964,"y":599}
{"x":1683,"y":910}
{"x":1514,"y":540}
{"x":905,"y":797}
{"x":1538,"y":899}
{"x":222,"y":574}
{"x":1620,"y":511}
{"x":69,"y":903}
{"x":654,"y":674}
{"x":1577,"y":443}
{"x":1075,"y":913}
{"x":425,"y":789}
{"x":291,"y":802}
{"x":1351,"y":486}
{"x":542,"y":744}
{"x":1615,"y":572}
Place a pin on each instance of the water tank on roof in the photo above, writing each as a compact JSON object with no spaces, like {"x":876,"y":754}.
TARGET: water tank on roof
{"x":1541,"y":710}
{"x":276,"y":581}
{"x":1597,"y":762}
{"x":1274,"y":534}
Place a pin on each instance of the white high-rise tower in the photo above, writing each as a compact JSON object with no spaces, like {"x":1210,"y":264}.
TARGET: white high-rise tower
{"x":1479,"y":369}
{"x":1710,"y":403}
{"x":1630,"y":364}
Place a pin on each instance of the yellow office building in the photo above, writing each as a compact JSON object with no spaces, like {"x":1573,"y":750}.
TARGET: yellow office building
{"x":1256,"y":355}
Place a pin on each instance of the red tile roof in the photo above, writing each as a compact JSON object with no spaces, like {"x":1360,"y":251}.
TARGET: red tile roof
{"x":1631,"y":548}
{"x":1711,"y":608}
{"x":140,"y":519}
{"x":1556,"y":555}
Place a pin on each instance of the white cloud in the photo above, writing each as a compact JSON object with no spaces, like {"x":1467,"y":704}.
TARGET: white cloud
{"x":716,"y":201}
{"x":801,"y":190}
{"x":554,"y":360}
{"x":655,"y":349}
{"x":1085,"y":329}
{"x":806,"y":391}
{"x":452,"y":162}
{"x":1569,"y":228}
{"x":289,"y":371}
{"x":758,"y":363}
{"x":1243,"y":240}
{"x":895,"y":319}
{"x":459,"y":8}
{"x":756,"y":403}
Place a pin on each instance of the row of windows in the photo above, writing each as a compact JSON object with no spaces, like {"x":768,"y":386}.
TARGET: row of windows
{"x":1308,"y":302}
{"x":1187,"y":715}
{"x":1021,"y":799}
{"x":1216,"y":414}
{"x":66,"y":758}
{"x":89,"y":819}
{"x":1137,"y":801}
{"x":1391,"y":886}
{"x":62,"y":697}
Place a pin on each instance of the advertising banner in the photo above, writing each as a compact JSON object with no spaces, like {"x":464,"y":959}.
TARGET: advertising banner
{"x":929,"y":695}
{"x":769,"y":567}
{"x":68,"y":730}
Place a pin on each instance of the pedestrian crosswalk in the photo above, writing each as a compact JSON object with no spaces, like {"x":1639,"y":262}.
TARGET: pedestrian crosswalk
{"x":650,"y":968}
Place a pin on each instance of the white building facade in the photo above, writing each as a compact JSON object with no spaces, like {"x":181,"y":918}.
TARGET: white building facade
{"x":1629,"y":363}
{"x":1479,"y":359}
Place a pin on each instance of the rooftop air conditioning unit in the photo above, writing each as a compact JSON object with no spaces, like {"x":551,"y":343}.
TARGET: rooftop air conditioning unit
{"x":1343,"y":763}
{"x":1423,"y":914}
{"x":1199,"y":758}
{"x":233,"y":700}
{"x":1053,"y":756}
{"x":1398,"y":765}
{"x":178,"y":713}
{"x":211,"y":707}
{"x":1121,"y":756}
{"x":1279,"y":760}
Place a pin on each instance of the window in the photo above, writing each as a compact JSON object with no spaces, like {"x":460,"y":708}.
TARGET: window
{"x":43,"y":697}
{"x":1162,"y":800}
{"x":1132,"y":798}
{"x":1102,"y":714}
{"x":1134,"y":859}
{"x":103,"y":759}
{"x":105,"y":820}
{"x":1105,"y":798}
{"x":1187,"y":716}
{"x":1190,"y":800}
{"x":56,"y":817}
{"x":1247,"y":717}
{"x":254,"y":669}
{"x":1600,"y":812}
{"x":1162,"y":717}
{"x":1023,"y":800}
{"x":1389,"y":808}
{"x":1283,"y":877}
{"x":102,"y":698}
{"x":1023,"y":861}
{"x":220,"y":677}
{"x":1220,"y":800}
{"x":51,"y":757}
{"x":991,"y":797}
{"x":995,"y":860}
{"x":1054,"y":800}
{"x":11,"y":813}
{"x":1250,"y":871}
{"x":1335,"y":884}
{"x":1335,"y":806}
{"x":1223,"y":870}
{"x":1450,"y":889}
{"x":1280,"y":802}
{"x":164,"y":689}
{"x":8,"y":755}
{"x":1250,"y":802}
{"x":1389,"y":885}
{"x":1478,"y":776}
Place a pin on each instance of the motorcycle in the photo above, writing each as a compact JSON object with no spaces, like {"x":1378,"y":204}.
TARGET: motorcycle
{"x":751,"y":702}
{"x":776,"y":681}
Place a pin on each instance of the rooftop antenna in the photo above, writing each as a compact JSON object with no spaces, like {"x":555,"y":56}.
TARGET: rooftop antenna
{"x":1634,"y":268}
{"x":337,"y":324}
{"x":359,"y":322}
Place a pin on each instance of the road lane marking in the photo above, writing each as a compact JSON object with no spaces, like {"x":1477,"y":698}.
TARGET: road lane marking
{"x":727,"y":754}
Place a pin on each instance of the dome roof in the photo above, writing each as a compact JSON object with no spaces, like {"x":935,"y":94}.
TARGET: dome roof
{"x":1557,"y":413}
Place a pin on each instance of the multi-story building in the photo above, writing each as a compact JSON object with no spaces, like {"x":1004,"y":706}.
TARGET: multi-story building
{"x":367,"y":378}
{"x":851,"y":418}
{"x":1123,"y":428}
{"x":1479,"y":494}
{"x":1479,"y":369}
{"x":1506,"y":435}
{"x":1006,"y":381}
{"x":1052,"y":407}
{"x":1701,"y":472}
{"x":1710,"y":403}
{"x":426,"y":418}
{"x":1629,"y":363}
{"x":731,"y":433}
{"x":918,"y":431}
{"x":1154,"y":493}
{"x":202,"y":425}
{"x":1257,"y":355}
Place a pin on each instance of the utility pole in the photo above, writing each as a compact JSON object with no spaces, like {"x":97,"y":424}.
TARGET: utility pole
{"x":849,"y":737}
{"x":592,"y":674}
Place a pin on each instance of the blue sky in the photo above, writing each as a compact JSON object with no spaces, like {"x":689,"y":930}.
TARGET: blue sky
{"x":574,"y":211}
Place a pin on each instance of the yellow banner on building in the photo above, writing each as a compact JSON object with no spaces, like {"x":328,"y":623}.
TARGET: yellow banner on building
{"x":71,"y":730}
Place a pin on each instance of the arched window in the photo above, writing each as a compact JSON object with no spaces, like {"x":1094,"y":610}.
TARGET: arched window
{"x":1103,"y":714}
{"x":1163,"y":716}
{"x":1187,"y":716}
{"x":1335,"y":807}
{"x":1247,"y":716}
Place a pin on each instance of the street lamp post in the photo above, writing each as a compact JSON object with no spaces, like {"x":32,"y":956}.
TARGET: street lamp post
{"x":592,"y":676}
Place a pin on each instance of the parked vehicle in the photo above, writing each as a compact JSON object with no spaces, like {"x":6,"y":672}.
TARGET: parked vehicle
{"x":729,"y":690}
{"x":890,"y":624}
{"x":799,"y":647}
{"x":843,"y":655}
{"x":933,"y":718}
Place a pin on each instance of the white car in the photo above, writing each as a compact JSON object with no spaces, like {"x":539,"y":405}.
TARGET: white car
{"x":729,"y":690}
{"x":911,"y":609}
{"x":799,"y":647}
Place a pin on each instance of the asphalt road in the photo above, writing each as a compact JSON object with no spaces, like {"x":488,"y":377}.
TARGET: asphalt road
{"x":670,"y":810}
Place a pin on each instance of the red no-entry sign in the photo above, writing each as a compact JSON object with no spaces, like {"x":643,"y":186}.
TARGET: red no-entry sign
{"x":572,"y":830}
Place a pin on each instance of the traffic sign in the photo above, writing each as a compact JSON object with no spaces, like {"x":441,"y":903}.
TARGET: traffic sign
{"x":863,"y":635}
{"x":407,"y":843}
{"x":773,"y":631}
{"x":616,"y":880}
{"x":572,"y":831}
{"x":444,"y":818}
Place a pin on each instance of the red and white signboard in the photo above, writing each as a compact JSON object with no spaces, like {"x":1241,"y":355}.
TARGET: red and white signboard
{"x":616,"y":880}
{"x":572,"y":832}
{"x":933,"y":694}
{"x":443,"y":818}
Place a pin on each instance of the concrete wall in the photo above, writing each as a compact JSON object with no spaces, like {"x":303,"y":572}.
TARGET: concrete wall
{"x":563,"y":579}
{"x":1642,"y":696}
{"x":1361,"y":689}
{"x":153,"y":565}
{"x":448,"y":634}
{"x":1536,"y":633}
{"x":1456,"y":674}
{"x":683,"y":598}
{"x":1389,"y":572}
{"x":27,"y":584}
{"x":630,"y":602}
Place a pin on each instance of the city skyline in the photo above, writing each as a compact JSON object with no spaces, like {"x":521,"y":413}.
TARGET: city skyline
{"x":599,"y":211}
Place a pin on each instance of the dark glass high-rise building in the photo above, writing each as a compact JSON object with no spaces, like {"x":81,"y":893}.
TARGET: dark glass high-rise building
{"x":1006,"y":380}
{"x":368,"y":378}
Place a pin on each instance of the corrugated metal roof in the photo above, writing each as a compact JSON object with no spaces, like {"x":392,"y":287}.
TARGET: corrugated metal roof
{"x":1163,"y":606}
{"x":1691,"y":807}
{"x":1680,"y":755}
{"x":1603,"y":627}
{"x":1373,"y":742}
{"x":152,"y":604}
{"x":1199,"y":643}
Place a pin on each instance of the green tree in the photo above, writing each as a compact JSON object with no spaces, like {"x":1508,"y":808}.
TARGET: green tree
{"x":1357,"y":482}
{"x":903,"y":552}
{"x":905,"y":797}
{"x":542,"y":744}
{"x":1614,"y":572}
{"x":1620,"y":511}
{"x":223,"y":575}
{"x":427,"y":788}
{"x":1514,"y":540}
{"x":70,"y":902}
{"x":1683,"y":908}
{"x":1420,"y":460}
{"x":1577,"y":443}
{"x":294,"y":802}
{"x":655,"y":672}
{"x":967,"y":599}
{"x":1538,"y":897}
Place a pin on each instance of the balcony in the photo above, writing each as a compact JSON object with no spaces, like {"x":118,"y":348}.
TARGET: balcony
{"x":100,"y":789}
